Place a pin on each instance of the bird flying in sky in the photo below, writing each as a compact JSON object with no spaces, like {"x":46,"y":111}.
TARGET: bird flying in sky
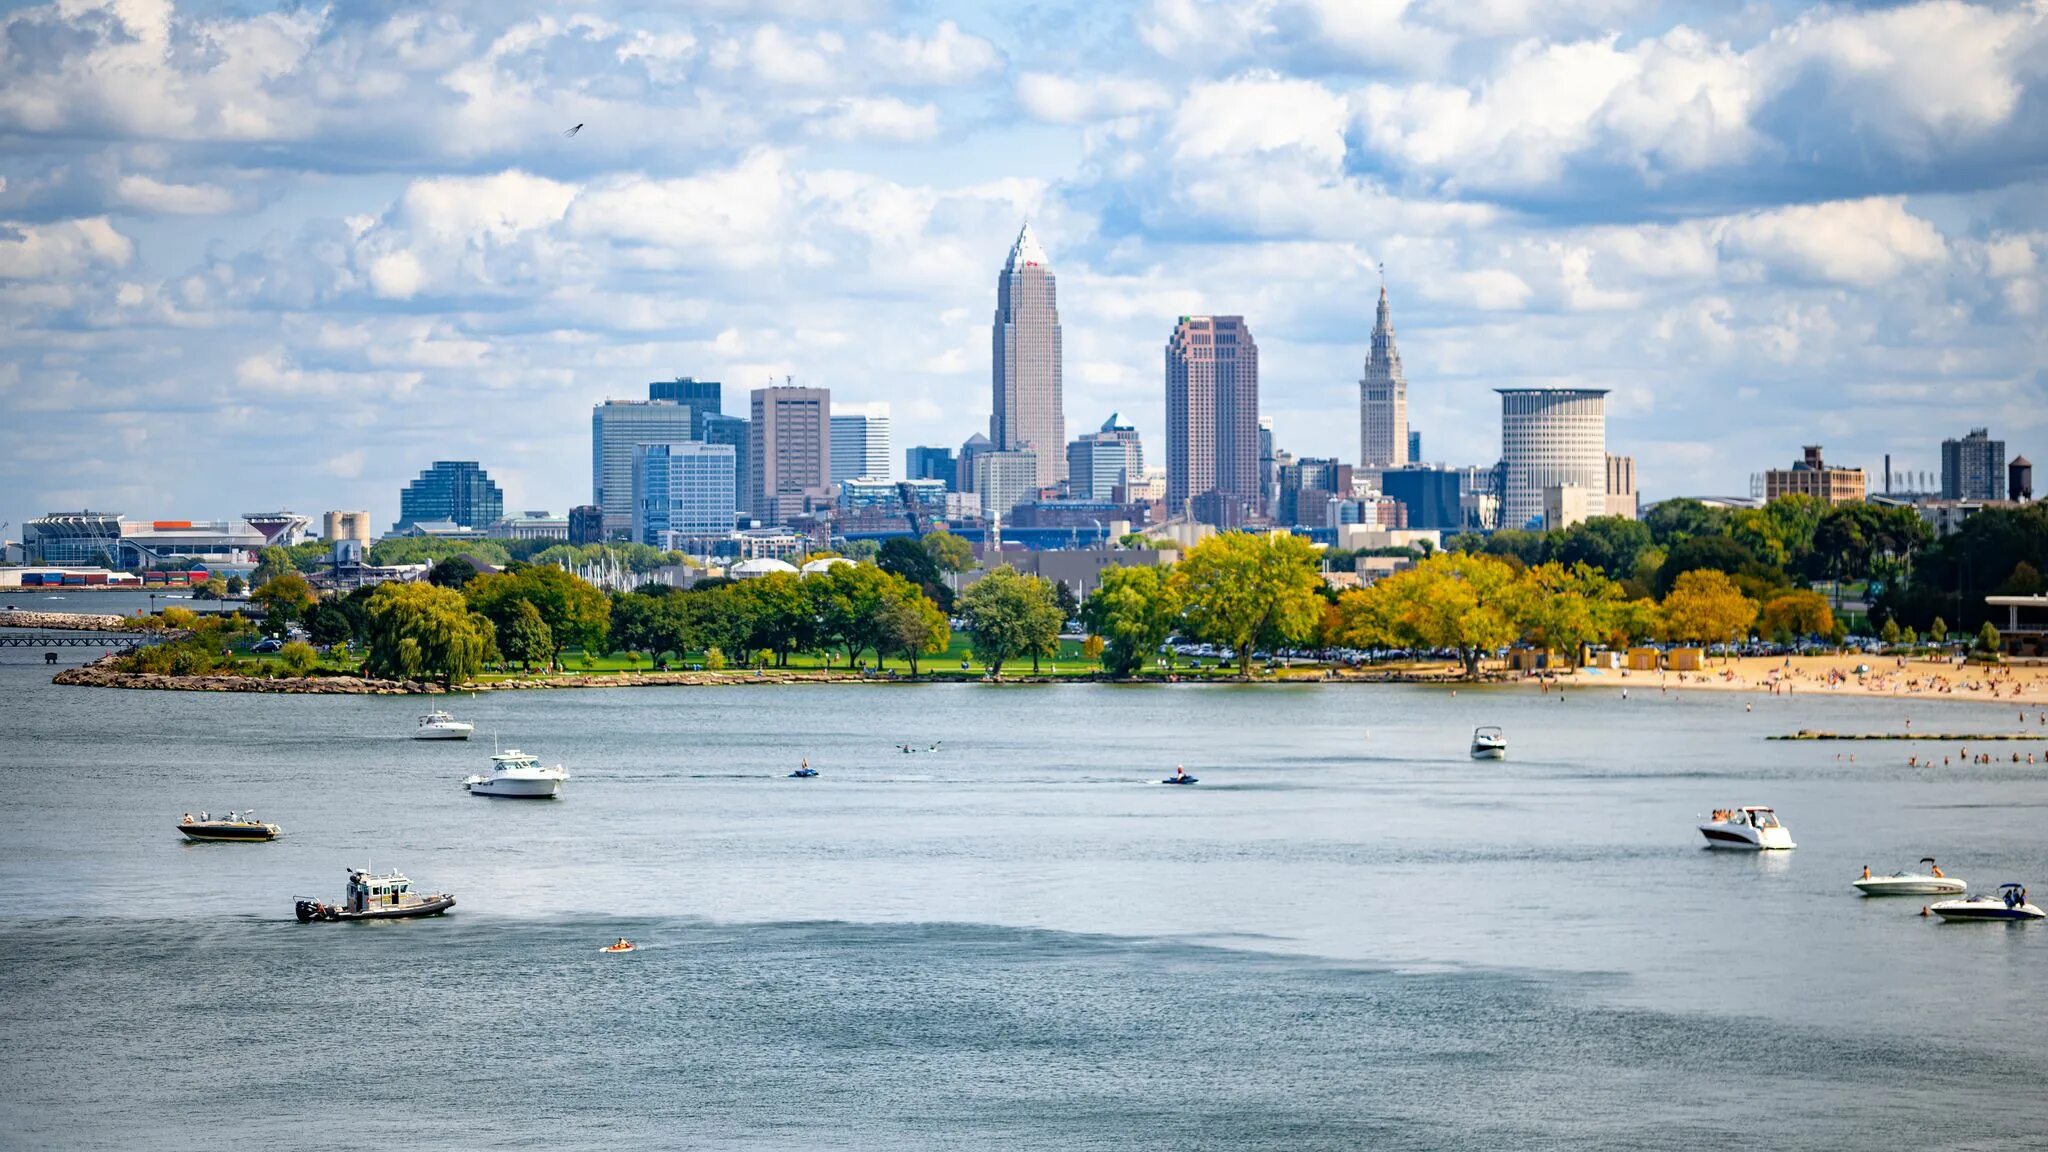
{"x":573,"y":131}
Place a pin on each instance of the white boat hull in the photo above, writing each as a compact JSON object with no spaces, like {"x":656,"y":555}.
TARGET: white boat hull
{"x":1489,"y":752}
{"x":1742,"y":838}
{"x":511,"y":788}
{"x":1985,"y":908}
{"x":455,"y":731}
{"x":1911,"y":885}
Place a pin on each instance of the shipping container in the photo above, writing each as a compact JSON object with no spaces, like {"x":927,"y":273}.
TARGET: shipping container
{"x":73,"y":580}
{"x":96,"y":577}
{"x":32,"y":579}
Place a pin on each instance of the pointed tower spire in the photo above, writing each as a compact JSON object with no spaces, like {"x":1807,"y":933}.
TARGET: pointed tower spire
{"x":1025,"y":252}
{"x":1383,"y":396}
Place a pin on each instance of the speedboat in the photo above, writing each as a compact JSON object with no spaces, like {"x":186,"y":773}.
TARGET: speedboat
{"x":1928,"y":883}
{"x":518,"y":776}
{"x":1489,"y":743}
{"x":376,"y":897}
{"x":233,"y":826}
{"x":2009,"y":904}
{"x":1750,"y":829}
{"x":438,"y":725}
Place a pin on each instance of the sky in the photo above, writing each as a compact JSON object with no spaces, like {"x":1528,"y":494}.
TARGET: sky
{"x":258,"y":257}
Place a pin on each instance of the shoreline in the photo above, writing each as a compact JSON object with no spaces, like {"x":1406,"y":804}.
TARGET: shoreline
{"x":1834,"y":677}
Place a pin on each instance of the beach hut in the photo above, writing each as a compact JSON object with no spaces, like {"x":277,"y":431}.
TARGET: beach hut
{"x":1645,"y":659}
{"x":1686,"y":659}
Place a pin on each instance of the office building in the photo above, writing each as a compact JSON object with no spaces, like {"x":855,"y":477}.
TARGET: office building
{"x":1414,"y":446}
{"x":1973,"y":468}
{"x":732,"y":432}
{"x":682,"y":493}
{"x":1269,"y":474}
{"x":790,"y":451}
{"x":1306,"y":488}
{"x":1565,"y":505}
{"x":1433,"y":497}
{"x":860,"y":442}
{"x":927,"y":463}
{"x":890,"y":506}
{"x":1621,"y":487}
{"x":345,"y":526}
{"x":1551,"y":437}
{"x":704,"y":399}
{"x":1383,"y":400}
{"x":975,"y":446}
{"x":617,"y":429}
{"x":1004,"y":480}
{"x":1028,"y":411}
{"x":1212,"y":421}
{"x":455,"y":490}
{"x":1813,"y":477}
{"x":532,"y":525}
{"x":1103,"y":461}
{"x":2019,"y":479}
{"x":586,"y":525}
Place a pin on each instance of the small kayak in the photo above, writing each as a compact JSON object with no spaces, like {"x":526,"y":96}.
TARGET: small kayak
{"x":1179,"y":780}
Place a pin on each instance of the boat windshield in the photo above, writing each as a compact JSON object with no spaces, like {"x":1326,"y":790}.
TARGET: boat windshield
{"x":1764,"y":819}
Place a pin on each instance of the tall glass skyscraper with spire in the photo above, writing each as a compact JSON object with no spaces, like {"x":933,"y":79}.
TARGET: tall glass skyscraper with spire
{"x":1383,"y":400}
{"x":1028,"y":410}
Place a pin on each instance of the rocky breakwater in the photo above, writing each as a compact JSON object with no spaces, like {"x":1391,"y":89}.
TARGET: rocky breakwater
{"x":65,"y":621}
{"x":101,"y":674}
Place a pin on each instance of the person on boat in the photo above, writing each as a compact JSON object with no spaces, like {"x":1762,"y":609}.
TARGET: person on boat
{"x":187,"y":819}
{"x":1934,"y":868}
{"x":623,"y":944}
{"x":1866,"y":871}
{"x":1180,"y":771}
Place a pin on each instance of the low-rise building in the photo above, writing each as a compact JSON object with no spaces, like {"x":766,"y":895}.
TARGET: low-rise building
{"x":1812,"y":477}
{"x":531,"y":525}
{"x":2022,"y":626}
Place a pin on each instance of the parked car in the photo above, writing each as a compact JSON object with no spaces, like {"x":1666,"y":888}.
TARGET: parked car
{"x":268,"y":644}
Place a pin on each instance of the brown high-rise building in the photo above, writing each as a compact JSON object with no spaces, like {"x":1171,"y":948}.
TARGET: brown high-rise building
{"x":1212,"y":420}
{"x":1028,"y":412}
{"x":789,"y":450}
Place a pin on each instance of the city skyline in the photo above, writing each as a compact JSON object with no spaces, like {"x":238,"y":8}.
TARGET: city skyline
{"x":1724,"y":217}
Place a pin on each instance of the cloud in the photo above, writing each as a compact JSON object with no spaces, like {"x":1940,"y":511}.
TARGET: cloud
{"x":1847,"y":242}
{"x":879,"y":118}
{"x":62,"y":250}
{"x":947,"y":56}
{"x":152,"y":195}
{"x":1056,"y":99}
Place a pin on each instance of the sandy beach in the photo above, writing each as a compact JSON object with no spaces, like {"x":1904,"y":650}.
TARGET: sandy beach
{"x":1913,"y":679}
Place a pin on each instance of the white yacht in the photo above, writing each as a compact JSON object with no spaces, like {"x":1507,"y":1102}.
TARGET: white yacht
{"x":1489,"y":743}
{"x":518,"y":776}
{"x":2009,"y":904}
{"x":1928,"y":883}
{"x":1751,"y":829}
{"x":438,"y":725}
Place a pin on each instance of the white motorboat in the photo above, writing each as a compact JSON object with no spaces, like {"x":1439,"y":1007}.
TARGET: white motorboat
{"x":518,"y":776}
{"x":2009,"y":904}
{"x":1751,"y":829}
{"x":1489,"y":743}
{"x":1928,"y":883}
{"x":438,"y":725}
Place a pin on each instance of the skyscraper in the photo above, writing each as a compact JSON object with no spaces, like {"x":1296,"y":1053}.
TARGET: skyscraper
{"x":457,"y":490}
{"x":1383,"y":400}
{"x":1212,"y":420}
{"x":1099,"y":462}
{"x":1414,"y":446}
{"x":927,"y":463}
{"x":1004,"y":480}
{"x":682,"y":492}
{"x":1551,"y":438}
{"x":616,"y":428}
{"x":704,"y":397}
{"x":789,"y":449}
{"x":1028,"y":413}
{"x":860,"y":442}
{"x":1973,"y":468}
{"x":732,"y":430}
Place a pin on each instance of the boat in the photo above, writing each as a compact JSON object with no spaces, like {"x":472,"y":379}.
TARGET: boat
{"x":1180,"y":776}
{"x":1489,"y":743}
{"x":2009,"y":904}
{"x":518,"y":776}
{"x":233,"y":826}
{"x":438,"y":725}
{"x":624,"y":945}
{"x":1750,"y":829}
{"x":1928,"y":883}
{"x":804,"y":773}
{"x":371,"y":896}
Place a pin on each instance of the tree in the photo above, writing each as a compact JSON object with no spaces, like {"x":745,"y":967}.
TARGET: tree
{"x":1801,"y":612}
{"x":909,"y":558}
{"x":1705,"y":607}
{"x":576,"y":612}
{"x":527,"y":638}
{"x":1248,"y":591}
{"x":422,"y":630}
{"x":654,"y":621}
{"x":285,"y":598}
{"x":271,"y":563}
{"x":298,"y":657}
{"x":1890,"y":632}
{"x":1938,"y":631}
{"x":1608,"y":543}
{"x":232,"y":586}
{"x":1009,"y":615}
{"x":1567,"y":609}
{"x":1987,"y":638}
{"x":1092,"y":649}
{"x":1132,"y":612}
{"x":847,"y":600}
{"x":1063,"y":596}
{"x":452,"y":572}
{"x":779,"y":614}
{"x":949,"y":552}
{"x":1675,"y":521}
{"x":427,"y":549}
{"x":1464,"y":602}
{"x":1716,"y":553}
{"x":910,"y":625}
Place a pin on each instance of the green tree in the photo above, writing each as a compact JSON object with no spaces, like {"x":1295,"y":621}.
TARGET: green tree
{"x":233,"y":586}
{"x":427,"y":549}
{"x":1566,"y":609}
{"x":422,"y":630}
{"x":526,"y":639}
{"x":285,"y":598}
{"x":1675,"y":521}
{"x":1987,"y":638}
{"x":271,"y":563}
{"x":780,"y":615}
{"x":1610,"y":544}
{"x":1249,"y":591}
{"x":298,"y":657}
{"x":847,"y":600}
{"x":452,"y":572}
{"x":576,"y":612}
{"x":907,"y":557}
{"x":1133,"y":612}
{"x":951,"y":553}
{"x":1890,"y":633}
{"x":656,"y":619}
{"x":1938,"y":631}
{"x":1706,"y":607}
{"x":1461,"y":601}
{"x":1009,"y":615}
{"x":911,"y":626}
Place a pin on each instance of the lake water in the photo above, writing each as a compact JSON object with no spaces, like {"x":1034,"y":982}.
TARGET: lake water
{"x":1347,"y":935}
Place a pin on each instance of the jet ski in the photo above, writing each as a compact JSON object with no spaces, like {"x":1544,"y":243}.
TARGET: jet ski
{"x":1928,"y":883}
{"x":622,"y":946}
{"x":803,"y":774}
{"x":1182,"y":778}
{"x":2009,"y":904}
